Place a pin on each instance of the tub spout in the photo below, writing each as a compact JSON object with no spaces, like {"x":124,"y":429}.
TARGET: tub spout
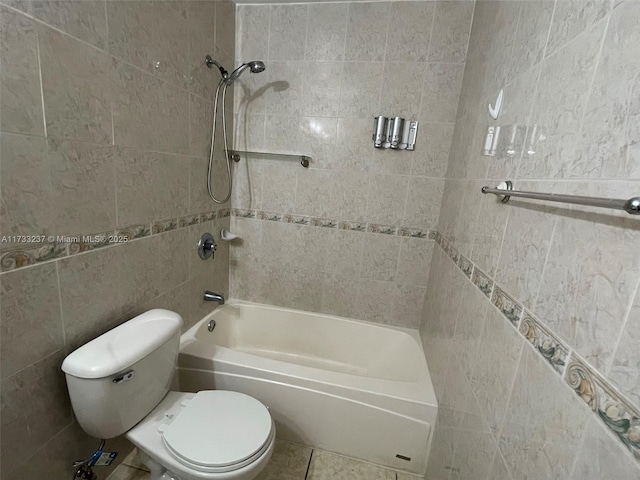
{"x":213,"y":297}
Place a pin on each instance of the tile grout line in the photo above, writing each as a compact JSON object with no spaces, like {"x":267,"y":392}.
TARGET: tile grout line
{"x":306,"y":474}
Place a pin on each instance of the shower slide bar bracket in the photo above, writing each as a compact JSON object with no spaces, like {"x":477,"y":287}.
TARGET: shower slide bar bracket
{"x":506,"y":191}
{"x":303,"y":159}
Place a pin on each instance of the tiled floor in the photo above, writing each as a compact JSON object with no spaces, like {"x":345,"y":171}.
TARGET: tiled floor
{"x":290,"y":462}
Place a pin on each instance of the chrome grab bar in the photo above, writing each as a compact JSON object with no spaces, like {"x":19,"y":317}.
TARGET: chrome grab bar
{"x":303,"y":159}
{"x":505,"y":190}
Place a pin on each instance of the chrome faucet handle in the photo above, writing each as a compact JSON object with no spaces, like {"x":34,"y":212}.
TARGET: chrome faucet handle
{"x":207,"y":246}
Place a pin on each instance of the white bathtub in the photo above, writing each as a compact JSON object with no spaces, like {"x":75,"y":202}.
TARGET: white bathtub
{"x":351,"y":387}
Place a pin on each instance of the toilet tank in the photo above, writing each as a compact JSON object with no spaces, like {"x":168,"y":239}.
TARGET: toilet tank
{"x":115,"y":380}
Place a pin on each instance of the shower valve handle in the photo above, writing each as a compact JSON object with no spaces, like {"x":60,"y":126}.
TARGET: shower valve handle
{"x":207,"y":246}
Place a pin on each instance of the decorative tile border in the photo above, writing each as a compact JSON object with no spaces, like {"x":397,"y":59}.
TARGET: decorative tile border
{"x":622,"y":418}
{"x":617,"y":413}
{"x":395,"y":230}
{"x":465,"y":265}
{"x":482,"y":281}
{"x":323,"y":222}
{"x":507,"y":305}
{"x":19,"y":256}
{"x":552,"y":349}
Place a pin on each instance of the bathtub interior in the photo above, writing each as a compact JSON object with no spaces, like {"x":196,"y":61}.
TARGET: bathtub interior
{"x":347,"y":386}
{"x":315,"y":340}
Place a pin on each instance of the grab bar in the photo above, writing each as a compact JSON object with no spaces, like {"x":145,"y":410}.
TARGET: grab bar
{"x":631,"y":206}
{"x":304,"y":159}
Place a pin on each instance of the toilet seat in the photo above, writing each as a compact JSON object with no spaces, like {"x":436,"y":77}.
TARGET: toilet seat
{"x":218,"y":431}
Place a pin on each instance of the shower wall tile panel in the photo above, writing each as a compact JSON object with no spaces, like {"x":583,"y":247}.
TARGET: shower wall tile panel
{"x":563,"y":278}
{"x":330,"y":69}
{"x":104,"y":132}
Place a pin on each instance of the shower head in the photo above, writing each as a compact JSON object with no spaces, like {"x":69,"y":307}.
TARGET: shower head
{"x":256,"y":66}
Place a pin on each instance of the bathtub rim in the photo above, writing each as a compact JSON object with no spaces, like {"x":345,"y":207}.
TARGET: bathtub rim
{"x":419,"y":392}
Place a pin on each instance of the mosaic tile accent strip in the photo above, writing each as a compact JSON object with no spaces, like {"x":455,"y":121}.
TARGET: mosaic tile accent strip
{"x":87,"y":243}
{"x":619,"y":415}
{"x":384,"y":229}
{"x":452,"y":252}
{"x":189,"y":220}
{"x":131,"y":233}
{"x":15,"y":256}
{"x":545,"y":342}
{"x":164,"y":226}
{"x":414,"y":232}
{"x":26,"y":256}
{"x":323,"y":222}
{"x":507,"y":305}
{"x":398,"y":230}
{"x":465,"y":265}
{"x":482,"y":281}
{"x":297,"y":219}
{"x":207,"y":217}
{"x":354,"y":226}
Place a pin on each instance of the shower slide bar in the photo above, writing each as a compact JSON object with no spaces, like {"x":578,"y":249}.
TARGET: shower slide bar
{"x":505,"y":190}
{"x":303,"y":159}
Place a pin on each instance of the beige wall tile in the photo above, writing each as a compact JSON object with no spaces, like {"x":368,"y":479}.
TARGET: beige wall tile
{"x":402,"y":98}
{"x":82,"y":187}
{"x":201,"y":17}
{"x":26,"y":186}
{"x":409,"y":31}
{"x":287,"y":32}
{"x":326,"y":32}
{"x":78,"y":87}
{"x":450,"y":35}
{"x":380,"y":257}
{"x":252,"y":23}
{"x":151,"y":186}
{"x":30,"y":316}
{"x":360,"y":92}
{"x":367,"y":30}
{"x":144,"y":33}
{"x":544,"y":422}
{"x":321,"y":88}
{"x":149,"y":113}
{"x":21,"y":100}
{"x":572,"y":18}
{"x":86,"y":20}
{"x":602,"y":456}
{"x":440,"y":91}
{"x":497,"y":358}
{"x":625,"y":370}
{"x":35,"y":407}
{"x":91,"y":301}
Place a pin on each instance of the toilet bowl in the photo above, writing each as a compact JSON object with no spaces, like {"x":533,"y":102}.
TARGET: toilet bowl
{"x":119,"y":384}
{"x":213,"y":434}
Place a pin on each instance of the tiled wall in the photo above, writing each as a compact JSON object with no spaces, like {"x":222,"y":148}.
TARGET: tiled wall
{"x":531,"y":317}
{"x":105,"y":127}
{"x":358,"y":244}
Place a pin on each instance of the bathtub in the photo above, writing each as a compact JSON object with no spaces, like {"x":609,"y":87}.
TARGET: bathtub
{"x":352,"y":387}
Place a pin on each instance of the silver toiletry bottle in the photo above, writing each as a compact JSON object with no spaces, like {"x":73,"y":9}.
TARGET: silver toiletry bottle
{"x":396,"y":132}
{"x":379,"y":131}
{"x":388,"y":130}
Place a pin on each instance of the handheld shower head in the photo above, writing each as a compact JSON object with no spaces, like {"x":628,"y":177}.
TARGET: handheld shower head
{"x":255,"y":66}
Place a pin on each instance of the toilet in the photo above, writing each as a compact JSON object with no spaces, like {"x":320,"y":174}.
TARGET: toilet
{"x":119,"y":383}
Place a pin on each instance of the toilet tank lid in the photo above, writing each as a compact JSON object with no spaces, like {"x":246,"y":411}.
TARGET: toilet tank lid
{"x":124,"y":345}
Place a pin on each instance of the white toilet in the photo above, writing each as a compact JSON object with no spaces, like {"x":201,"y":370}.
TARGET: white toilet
{"x":119,"y":384}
